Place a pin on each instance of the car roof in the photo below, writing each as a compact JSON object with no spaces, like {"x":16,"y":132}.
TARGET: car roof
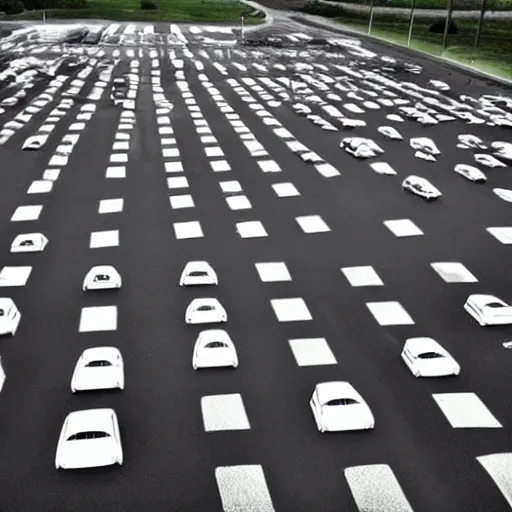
{"x":420,"y":345}
{"x":482,"y":300}
{"x":6,"y":302}
{"x":197,"y":265}
{"x":107,"y":269}
{"x":205,"y":301}
{"x":336,"y":389}
{"x":89,"y":420}
{"x":97,"y":353}
{"x":28,"y":236}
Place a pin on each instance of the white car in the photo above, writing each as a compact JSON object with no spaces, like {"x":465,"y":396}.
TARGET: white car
{"x":390,"y":132}
{"x":35,"y":142}
{"x":503,"y":193}
{"x":337,"y":406}
{"x":213,"y":349}
{"x":9,"y":316}
{"x":488,"y":310}
{"x":30,"y":242}
{"x":361,"y":147}
{"x":89,"y":439}
{"x":98,"y":368}
{"x":472,"y":141}
{"x":421,"y":187}
{"x":425,"y":357}
{"x":102,"y":277}
{"x":205,"y":311}
{"x":198,"y":273}
{"x":471,"y":173}
{"x":425,"y":145}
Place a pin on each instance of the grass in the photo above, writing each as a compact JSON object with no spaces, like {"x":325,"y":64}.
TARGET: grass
{"x":191,"y":11}
{"x":494,"y":54}
{"x":470,"y":5}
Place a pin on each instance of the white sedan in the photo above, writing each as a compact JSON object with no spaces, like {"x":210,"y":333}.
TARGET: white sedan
{"x":471,"y":173}
{"x":35,"y":142}
{"x":361,"y":147}
{"x":421,"y":187}
{"x":9,"y":317}
{"x":102,"y":277}
{"x":488,"y":310}
{"x":30,"y":242}
{"x":89,"y":439}
{"x":205,"y":311}
{"x":425,"y":357}
{"x":337,"y":406}
{"x":213,"y":349}
{"x":98,"y":368}
{"x":198,"y":273}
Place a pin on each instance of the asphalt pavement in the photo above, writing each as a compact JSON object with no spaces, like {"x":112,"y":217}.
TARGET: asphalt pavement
{"x":170,"y":461}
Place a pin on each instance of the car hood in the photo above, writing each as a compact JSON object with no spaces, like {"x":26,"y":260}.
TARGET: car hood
{"x":96,"y":377}
{"x":87,"y":453}
{"x":346,"y":414}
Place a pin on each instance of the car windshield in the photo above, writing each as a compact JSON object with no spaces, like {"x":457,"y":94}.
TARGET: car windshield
{"x":430,"y":355}
{"x":341,"y":401}
{"x":90,"y":434}
{"x":27,"y":243}
{"x":198,"y":273}
{"x":2,"y":312}
{"x":102,"y":277}
{"x":215,"y":344}
{"x":205,"y":308}
{"x":95,"y":364}
{"x":494,"y":305}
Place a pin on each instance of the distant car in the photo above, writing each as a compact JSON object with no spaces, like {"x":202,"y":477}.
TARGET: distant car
{"x":198,"y":273}
{"x":102,"y":277}
{"x":89,"y":439}
{"x":9,"y":102}
{"x":35,"y":142}
{"x":421,"y":187}
{"x":425,"y":145}
{"x":98,"y":368}
{"x":361,"y":147}
{"x":30,"y":242}
{"x":471,"y":173}
{"x":9,"y":316}
{"x":488,"y":310}
{"x":337,"y":406}
{"x":205,"y":311}
{"x":472,"y":141}
{"x":390,"y":132}
{"x":425,"y":357}
{"x":214,"y":348}
{"x":503,"y":193}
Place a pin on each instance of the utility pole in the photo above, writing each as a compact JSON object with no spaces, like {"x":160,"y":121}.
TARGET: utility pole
{"x":242,"y":19}
{"x":483,"y":7}
{"x":371,"y":18}
{"x":448,"y":21}
{"x":411,"y":23}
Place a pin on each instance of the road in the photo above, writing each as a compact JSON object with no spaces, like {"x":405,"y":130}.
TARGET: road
{"x":170,"y":461}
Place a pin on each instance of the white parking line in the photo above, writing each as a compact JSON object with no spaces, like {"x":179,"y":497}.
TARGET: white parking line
{"x":312,"y":352}
{"x":465,"y":410}
{"x":271,"y":272}
{"x":102,"y":318}
{"x":25,"y":213}
{"x":389,"y":313}
{"x":291,"y":310}
{"x":104,"y":239}
{"x":362,"y":276}
{"x":224,"y":412}
{"x":14,"y":276}
{"x":243,"y":488}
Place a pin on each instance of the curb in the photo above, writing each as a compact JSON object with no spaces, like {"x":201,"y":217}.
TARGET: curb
{"x":433,"y":58}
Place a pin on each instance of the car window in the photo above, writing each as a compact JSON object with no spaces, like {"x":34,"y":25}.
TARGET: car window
{"x":494,"y":305}
{"x":341,"y":401}
{"x":91,"y":434}
{"x":429,"y":355}
{"x":205,"y":308}
{"x":27,"y":242}
{"x":197,"y":273}
{"x":215,"y":344}
{"x":2,"y":312}
{"x":101,"y":277}
{"x":95,"y":364}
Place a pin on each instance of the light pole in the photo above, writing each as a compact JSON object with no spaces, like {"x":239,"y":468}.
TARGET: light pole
{"x":242,"y":19}
{"x":371,"y":19}
{"x":448,"y":21}
{"x":483,"y":6}
{"x":411,"y":23}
